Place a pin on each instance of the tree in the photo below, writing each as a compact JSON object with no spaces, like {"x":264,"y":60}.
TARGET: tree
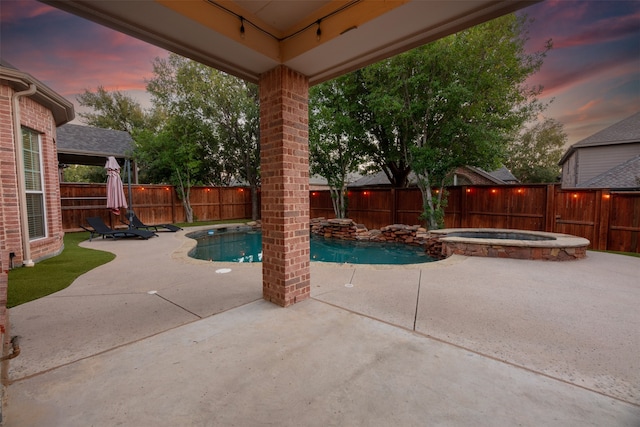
{"x":335,"y":138}
{"x":226,"y":111}
{"x":83,"y":173}
{"x":385,"y":121}
{"x":114,"y":110}
{"x":534,"y":156}
{"x":454,"y":102}
{"x":235,"y":111}
{"x":171,"y":155}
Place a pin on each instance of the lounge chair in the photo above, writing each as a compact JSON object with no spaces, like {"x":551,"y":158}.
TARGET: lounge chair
{"x":99,"y":228}
{"x":135,"y":222}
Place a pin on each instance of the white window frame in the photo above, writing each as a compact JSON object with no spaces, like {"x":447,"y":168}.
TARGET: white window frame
{"x":40,"y":192}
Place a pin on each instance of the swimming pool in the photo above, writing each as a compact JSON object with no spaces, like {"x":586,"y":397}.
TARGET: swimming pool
{"x":246,"y":246}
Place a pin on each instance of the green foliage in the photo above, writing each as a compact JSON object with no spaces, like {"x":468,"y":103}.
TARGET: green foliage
{"x":385,"y":119}
{"x":54,"y":274}
{"x":172,"y":156}
{"x":82,"y":173}
{"x":454,"y":102}
{"x":211,"y":130}
{"x":335,"y":136}
{"x":534,"y":156}
{"x":114,"y":110}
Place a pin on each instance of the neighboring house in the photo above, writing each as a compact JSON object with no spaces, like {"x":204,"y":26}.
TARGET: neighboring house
{"x":87,"y":145}
{"x":470,"y":175}
{"x":587,"y":162}
{"x":467,"y":175}
{"x":624,"y":176}
{"x":319,"y":183}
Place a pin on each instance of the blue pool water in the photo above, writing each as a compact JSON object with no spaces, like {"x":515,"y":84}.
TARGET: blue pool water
{"x":246,"y":246}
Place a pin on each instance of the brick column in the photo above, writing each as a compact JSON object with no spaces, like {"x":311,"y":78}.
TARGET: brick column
{"x":284,"y":174}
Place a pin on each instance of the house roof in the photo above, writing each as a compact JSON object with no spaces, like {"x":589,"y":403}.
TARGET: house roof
{"x":87,"y":145}
{"x":499,"y":176}
{"x":623,"y":132}
{"x":320,"y":39}
{"x":377,"y":180}
{"x":625,"y":175}
{"x":61,"y":108}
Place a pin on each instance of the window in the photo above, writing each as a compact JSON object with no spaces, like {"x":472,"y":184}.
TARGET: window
{"x":34,"y":184}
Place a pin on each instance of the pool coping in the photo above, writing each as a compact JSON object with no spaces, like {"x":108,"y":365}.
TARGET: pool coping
{"x":559,"y":240}
{"x":182,"y":253}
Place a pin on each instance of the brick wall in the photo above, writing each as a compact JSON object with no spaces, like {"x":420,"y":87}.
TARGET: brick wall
{"x":473,"y":177}
{"x":285,"y":186}
{"x":38,"y":118}
{"x":9,"y":220}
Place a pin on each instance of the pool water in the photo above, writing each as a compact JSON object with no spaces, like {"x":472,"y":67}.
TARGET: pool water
{"x":246,"y":246}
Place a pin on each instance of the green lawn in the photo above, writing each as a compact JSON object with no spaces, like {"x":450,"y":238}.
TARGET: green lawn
{"x":54,"y":274}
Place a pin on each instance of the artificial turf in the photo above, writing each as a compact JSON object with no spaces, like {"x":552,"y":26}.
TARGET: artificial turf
{"x":54,"y":274}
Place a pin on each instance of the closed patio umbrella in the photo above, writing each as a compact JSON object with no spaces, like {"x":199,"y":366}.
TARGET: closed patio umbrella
{"x":115,"y":193}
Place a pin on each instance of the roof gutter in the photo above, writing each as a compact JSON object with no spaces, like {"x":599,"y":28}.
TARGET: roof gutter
{"x":22,"y":189}
{"x":60,"y":107}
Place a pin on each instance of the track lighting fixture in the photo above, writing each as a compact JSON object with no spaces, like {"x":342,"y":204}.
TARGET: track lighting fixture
{"x":318,"y":31}
{"x":241,"y":27}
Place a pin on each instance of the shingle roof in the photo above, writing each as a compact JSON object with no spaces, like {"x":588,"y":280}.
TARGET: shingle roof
{"x":503,"y":174}
{"x":499,"y":176}
{"x":625,"y":175}
{"x":78,"y":139}
{"x":623,"y":132}
{"x":320,"y":180}
{"x":377,"y":179}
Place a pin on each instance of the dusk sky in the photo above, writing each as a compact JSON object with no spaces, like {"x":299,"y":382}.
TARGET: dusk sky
{"x":592,"y":73}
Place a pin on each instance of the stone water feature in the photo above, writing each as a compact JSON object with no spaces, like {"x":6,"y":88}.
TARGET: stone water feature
{"x":439,"y":244}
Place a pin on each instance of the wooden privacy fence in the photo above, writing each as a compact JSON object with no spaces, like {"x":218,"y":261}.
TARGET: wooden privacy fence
{"x":609,"y":219}
{"x":153,"y":204}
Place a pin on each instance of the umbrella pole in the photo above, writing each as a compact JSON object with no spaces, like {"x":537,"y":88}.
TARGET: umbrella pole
{"x":130,"y":210}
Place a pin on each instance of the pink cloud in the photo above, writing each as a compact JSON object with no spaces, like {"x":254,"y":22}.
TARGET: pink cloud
{"x":13,"y":11}
{"x":581,"y":125}
{"x":589,"y":105}
{"x":559,"y":76}
{"x":602,"y":31}
{"x":584,"y":113}
{"x":561,"y":10}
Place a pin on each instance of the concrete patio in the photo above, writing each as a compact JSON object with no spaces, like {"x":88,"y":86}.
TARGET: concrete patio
{"x":156,"y":338}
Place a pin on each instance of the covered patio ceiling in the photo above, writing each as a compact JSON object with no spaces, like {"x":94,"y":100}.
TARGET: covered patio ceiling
{"x":320,"y":39}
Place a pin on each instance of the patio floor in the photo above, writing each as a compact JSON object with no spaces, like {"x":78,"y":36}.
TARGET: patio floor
{"x":157,"y":338}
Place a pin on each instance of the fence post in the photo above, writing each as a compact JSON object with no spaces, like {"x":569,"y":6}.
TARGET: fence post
{"x":172,"y":189}
{"x":464,"y":210}
{"x":602,"y":232}
{"x":550,"y":209}
{"x":394,"y":206}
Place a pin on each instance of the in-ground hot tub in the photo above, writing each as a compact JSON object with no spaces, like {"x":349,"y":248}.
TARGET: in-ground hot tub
{"x":506,"y":243}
